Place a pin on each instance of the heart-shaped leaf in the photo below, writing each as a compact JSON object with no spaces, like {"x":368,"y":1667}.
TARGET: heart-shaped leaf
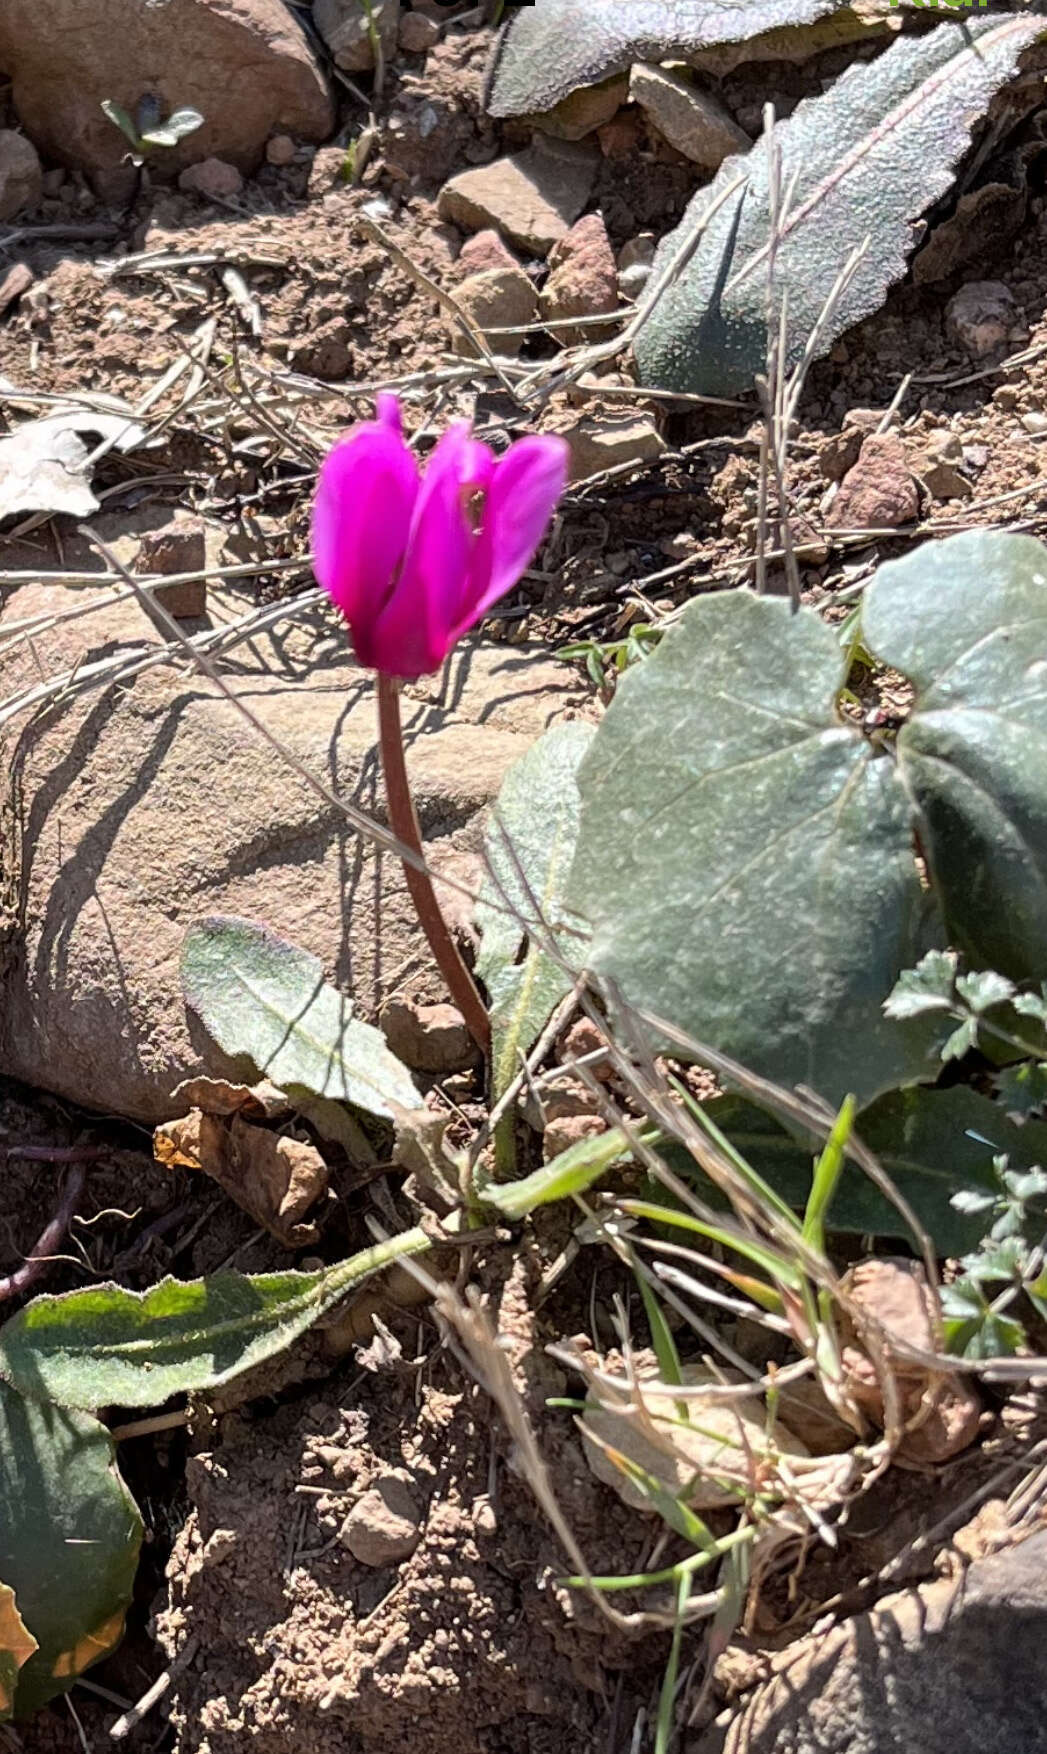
{"x":107,"y":1346}
{"x":547,"y":51}
{"x":865,"y":159}
{"x":933,"y":1144}
{"x":69,"y":1539}
{"x":267,"y":1006}
{"x":745,"y":859}
{"x":529,"y":845}
{"x":966,"y":621}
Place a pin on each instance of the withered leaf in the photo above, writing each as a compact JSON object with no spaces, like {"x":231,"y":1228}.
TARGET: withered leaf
{"x":275,"y":1178}
{"x":216,"y":1096}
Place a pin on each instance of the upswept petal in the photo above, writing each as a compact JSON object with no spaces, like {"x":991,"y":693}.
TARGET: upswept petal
{"x":416,"y":628}
{"x":525,"y":486}
{"x":365,"y":498}
{"x":411,"y":635}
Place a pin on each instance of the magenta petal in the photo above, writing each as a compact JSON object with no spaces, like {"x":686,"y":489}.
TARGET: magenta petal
{"x":387,"y":412}
{"x":525,"y":486}
{"x":361,"y":521}
{"x":416,"y":628}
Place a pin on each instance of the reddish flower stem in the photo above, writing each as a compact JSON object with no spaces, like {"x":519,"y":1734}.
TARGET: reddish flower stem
{"x":404,"y":824}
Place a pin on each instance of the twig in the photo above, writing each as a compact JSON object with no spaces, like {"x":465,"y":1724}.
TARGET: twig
{"x":404,"y":823}
{"x":131,"y":1719}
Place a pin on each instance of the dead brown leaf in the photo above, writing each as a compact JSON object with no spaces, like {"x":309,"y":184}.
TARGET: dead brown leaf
{"x":275,"y":1178}
{"x":262,"y":1101}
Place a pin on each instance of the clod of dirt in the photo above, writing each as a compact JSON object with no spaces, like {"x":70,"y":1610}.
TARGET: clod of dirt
{"x":385,"y":1525}
{"x":21,"y":174}
{"x":879,"y":491}
{"x":721,"y":1441}
{"x":693,"y":121}
{"x":568,"y":1130}
{"x":429,"y":1038}
{"x":482,"y":252}
{"x":894,"y":1296}
{"x":245,"y":65}
{"x":532,"y":199}
{"x":346,"y":27}
{"x":583,"y":278}
{"x":983,"y":318}
{"x":15,"y":282}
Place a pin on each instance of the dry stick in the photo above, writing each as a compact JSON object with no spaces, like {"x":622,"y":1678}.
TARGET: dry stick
{"x":404,"y":823}
{"x":39,"y":1259}
{"x":131,"y":1719}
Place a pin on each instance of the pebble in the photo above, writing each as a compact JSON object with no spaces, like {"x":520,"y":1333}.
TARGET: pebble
{"x":532,"y":198}
{"x":583,"y":280}
{"x":17,"y":280}
{"x":346,"y":29}
{"x":499,"y":298}
{"x":879,"y":491}
{"x":180,"y":546}
{"x":982,"y":317}
{"x":1035,"y":423}
{"x":599,"y":442}
{"x":581,"y":112}
{"x":429,"y":1038}
{"x":280,"y":149}
{"x":212,"y":178}
{"x":417,"y":33}
{"x":484,"y":250}
{"x":690,"y":119}
{"x":21,"y":174}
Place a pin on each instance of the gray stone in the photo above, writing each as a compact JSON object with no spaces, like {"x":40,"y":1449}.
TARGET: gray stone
{"x":130,"y":811}
{"x":954,"y":1667}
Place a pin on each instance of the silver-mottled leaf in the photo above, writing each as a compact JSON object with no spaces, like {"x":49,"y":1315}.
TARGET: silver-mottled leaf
{"x":868,"y":157}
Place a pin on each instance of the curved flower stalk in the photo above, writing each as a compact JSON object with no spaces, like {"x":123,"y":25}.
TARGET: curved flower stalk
{"x":413,"y":561}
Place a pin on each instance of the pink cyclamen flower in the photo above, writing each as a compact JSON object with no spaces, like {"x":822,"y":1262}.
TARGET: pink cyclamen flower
{"x":414,"y":560}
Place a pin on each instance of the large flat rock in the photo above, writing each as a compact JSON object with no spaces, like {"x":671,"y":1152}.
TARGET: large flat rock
{"x":131,"y":811}
{"x":244,"y":64}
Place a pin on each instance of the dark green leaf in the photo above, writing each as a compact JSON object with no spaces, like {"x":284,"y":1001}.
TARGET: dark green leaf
{"x":971,"y":1329}
{"x":107,"y":1346}
{"x":267,"y":1006}
{"x":930,"y":986}
{"x":746,"y":861}
{"x":932,"y":1143}
{"x":966,"y":621}
{"x":537,"y":808}
{"x":69,"y":1539}
{"x":983,"y":990}
{"x":868,"y":157}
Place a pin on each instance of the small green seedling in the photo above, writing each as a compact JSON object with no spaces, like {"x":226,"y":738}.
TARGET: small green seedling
{"x":147,"y":133}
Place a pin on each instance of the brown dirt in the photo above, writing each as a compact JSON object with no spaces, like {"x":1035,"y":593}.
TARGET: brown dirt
{"x":469,"y":1646}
